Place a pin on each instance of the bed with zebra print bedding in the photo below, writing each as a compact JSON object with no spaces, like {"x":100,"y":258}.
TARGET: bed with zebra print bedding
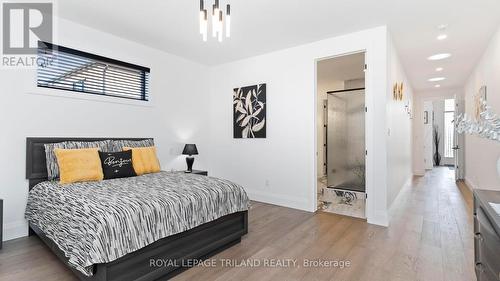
{"x":98,"y":222}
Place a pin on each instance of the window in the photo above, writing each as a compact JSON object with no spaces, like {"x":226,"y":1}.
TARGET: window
{"x":449,"y":130}
{"x":68,"y":69}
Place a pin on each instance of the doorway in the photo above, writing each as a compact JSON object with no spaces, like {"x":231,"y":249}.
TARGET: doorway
{"x":443,"y":146}
{"x":341,"y":135}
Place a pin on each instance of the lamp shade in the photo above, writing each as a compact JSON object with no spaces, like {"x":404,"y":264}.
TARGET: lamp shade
{"x":190,"y":149}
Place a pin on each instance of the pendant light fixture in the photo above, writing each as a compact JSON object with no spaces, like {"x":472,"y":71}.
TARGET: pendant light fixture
{"x":228,"y":20}
{"x":218,"y":21}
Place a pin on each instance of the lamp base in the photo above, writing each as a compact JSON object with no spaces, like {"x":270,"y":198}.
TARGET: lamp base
{"x":189,"y":162}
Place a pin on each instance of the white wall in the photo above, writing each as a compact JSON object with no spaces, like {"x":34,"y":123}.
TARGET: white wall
{"x":177,"y":113}
{"x":281,"y":169}
{"x":480,"y":154}
{"x":399,"y":127}
{"x":354,"y":83}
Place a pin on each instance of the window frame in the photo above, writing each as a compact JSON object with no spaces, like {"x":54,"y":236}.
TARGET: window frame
{"x":144,"y":81}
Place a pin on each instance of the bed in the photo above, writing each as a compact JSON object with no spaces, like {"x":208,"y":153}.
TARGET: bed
{"x":117,"y":229}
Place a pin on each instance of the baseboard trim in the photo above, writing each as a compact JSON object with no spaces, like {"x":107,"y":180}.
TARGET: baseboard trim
{"x":15,"y":230}
{"x":379,"y":218}
{"x":419,"y":173}
{"x":280,"y":200}
{"x":403,"y":190}
{"x":470,"y":184}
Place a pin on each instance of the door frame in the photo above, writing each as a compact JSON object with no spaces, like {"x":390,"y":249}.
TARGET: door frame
{"x":368,"y":137}
{"x":459,"y":142}
{"x":418,"y":121}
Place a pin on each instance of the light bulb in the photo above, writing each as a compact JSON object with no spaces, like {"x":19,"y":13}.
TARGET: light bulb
{"x":205,"y":25}
{"x":216,"y":18}
{"x":216,"y":13}
{"x":441,"y":37}
{"x":214,"y":22}
{"x":219,"y":23}
{"x":202,"y":15}
{"x":228,"y":20}
{"x":202,"y":18}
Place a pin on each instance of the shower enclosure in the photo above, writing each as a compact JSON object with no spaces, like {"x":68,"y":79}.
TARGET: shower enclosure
{"x":346,"y":140}
{"x":340,"y":134}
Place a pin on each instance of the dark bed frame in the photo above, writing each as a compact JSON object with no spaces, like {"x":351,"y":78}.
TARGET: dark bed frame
{"x":180,"y":249}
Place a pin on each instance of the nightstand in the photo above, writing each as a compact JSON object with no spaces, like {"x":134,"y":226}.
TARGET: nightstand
{"x":198,"y":172}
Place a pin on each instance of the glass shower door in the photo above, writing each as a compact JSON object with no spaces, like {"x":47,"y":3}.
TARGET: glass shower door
{"x":346,"y":140}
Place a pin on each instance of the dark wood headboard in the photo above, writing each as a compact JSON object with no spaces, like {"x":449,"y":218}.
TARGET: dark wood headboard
{"x":36,"y":166}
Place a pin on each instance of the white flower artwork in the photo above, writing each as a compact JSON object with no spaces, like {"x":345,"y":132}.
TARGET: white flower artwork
{"x":485,"y":123}
{"x":249,"y":112}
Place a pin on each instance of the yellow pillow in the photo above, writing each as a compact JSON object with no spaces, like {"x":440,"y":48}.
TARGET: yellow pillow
{"x":77,"y":165}
{"x":144,"y":160}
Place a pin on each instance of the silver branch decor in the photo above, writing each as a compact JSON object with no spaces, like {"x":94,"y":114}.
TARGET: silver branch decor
{"x":249,"y":112}
{"x":486,"y":126}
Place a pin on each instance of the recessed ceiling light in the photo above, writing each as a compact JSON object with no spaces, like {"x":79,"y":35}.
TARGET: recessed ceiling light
{"x":442,"y":37}
{"x":442,"y":26}
{"x":436,"y":79}
{"x":437,"y":86}
{"x":438,"y":69}
{"x":439,"y":56}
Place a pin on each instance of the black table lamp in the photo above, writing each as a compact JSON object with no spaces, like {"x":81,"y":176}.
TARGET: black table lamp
{"x":190,"y":149}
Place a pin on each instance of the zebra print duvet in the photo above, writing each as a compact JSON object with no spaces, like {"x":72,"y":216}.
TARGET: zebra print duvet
{"x":98,"y":222}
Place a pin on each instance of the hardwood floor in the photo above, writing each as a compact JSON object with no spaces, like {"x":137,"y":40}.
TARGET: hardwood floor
{"x":430,"y":238}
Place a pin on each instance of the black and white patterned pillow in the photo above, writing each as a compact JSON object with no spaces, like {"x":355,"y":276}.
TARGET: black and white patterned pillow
{"x":53,"y":167}
{"x":118,"y":145}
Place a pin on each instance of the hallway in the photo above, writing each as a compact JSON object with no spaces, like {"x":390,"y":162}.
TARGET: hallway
{"x":430,"y":238}
{"x":434,"y":220}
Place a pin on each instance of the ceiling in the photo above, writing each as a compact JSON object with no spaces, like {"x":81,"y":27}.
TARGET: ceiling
{"x":261,"y":26}
{"x":349,"y":67}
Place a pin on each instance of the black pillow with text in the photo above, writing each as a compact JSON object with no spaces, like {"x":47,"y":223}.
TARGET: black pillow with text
{"x":117,"y":164}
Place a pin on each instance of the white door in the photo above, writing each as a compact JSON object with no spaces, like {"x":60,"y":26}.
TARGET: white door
{"x":427,"y":120}
{"x":458,"y":142}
